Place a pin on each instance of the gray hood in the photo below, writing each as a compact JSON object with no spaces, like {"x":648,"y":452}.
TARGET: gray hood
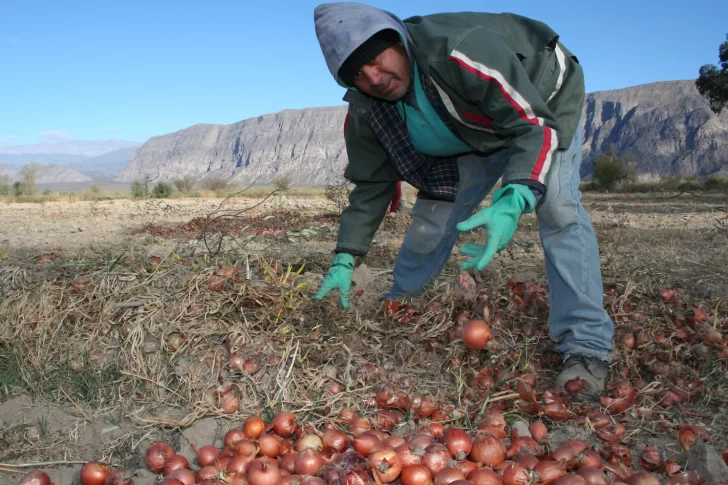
{"x":341,"y":27}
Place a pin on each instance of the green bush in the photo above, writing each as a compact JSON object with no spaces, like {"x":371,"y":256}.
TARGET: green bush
{"x":162,"y":190}
{"x":47,"y":192}
{"x":139,"y":190}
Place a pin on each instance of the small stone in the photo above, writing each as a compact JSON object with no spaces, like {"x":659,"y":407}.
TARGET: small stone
{"x":521,"y":429}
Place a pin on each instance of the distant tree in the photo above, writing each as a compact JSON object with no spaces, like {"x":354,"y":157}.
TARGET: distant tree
{"x":95,"y":189}
{"x":4,"y":184}
{"x":18,"y":189}
{"x":30,"y":176}
{"x":162,"y":190}
{"x":216,"y":184}
{"x":185,"y":184}
{"x":282,"y":183}
{"x":611,"y":171}
{"x":713,"y":82}
{"x":47,"y":192}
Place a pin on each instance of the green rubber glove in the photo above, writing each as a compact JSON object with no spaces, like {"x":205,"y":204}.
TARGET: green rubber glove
{"x":339,"y":276}
{"x":500,"y":221}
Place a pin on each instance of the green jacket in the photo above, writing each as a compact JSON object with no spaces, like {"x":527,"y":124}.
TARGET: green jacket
{"x":508,"y":84}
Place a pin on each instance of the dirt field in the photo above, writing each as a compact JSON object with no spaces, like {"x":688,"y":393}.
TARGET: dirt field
{"x":91,"y":293}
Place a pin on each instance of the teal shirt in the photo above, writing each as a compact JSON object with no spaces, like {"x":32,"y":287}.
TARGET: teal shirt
{"x":428,"y":133}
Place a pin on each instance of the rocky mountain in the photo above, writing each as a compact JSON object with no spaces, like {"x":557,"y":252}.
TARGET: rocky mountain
{"x":19,"y":160}
{"x":47,"y":174}
{"x":108,"y":165}
{"x":667,"y":126}
{"x":86,"y":148}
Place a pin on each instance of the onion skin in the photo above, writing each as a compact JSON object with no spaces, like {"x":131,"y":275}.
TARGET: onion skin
{"x":94,"y":473}
{"x":270,"y":445}
{"x":206,"y":455}
{"x":385,"y":465}
{"x":307,"y":462}
{"x":570,"y":479}
{"x":593,"y":476}
{"x":538,"y":430}
{"x":335,"y":439}
{"x":642,"y":478}
{"x":416,"y":475}
{"x":36,"y":477}
{"x":516,"y":474}
{"x":120,"y":477}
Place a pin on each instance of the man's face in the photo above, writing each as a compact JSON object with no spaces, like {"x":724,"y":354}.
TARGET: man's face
{"x":387,"y":76}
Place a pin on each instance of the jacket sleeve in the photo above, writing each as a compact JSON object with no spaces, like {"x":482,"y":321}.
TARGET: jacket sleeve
{"x":490,"y":74}
{"x":375,"y":183}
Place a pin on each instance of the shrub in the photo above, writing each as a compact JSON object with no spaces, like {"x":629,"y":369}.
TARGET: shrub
{"x":162,"y":190}
{"x":47,"y":192}
{"x":215,"y":184}
{"x":185,"y":184}
{"x":282,"y":183}
{"x":139,"y":190}
{"x":4,"y":185}
{"x":611,"y":171}
{"x":95,"y":189}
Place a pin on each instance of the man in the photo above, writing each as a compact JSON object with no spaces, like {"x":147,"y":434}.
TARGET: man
{"x":451,"y":103}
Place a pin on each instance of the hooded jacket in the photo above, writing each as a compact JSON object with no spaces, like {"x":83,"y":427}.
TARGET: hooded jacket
{"x":506,"y":81}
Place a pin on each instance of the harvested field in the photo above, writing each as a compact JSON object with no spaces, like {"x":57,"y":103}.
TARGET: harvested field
{"x":127,"y":322}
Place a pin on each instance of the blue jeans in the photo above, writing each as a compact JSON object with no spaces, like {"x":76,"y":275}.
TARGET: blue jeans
{"x":577,"y":322}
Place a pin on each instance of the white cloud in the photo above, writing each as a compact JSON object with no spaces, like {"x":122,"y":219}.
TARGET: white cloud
{"x":9,"y":139}
{"x":13,"y":40}
{"x":53,"y":135}
{"x":111,"y":130}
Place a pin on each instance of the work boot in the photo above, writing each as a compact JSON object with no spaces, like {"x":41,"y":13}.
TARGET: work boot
{"x":583,"y":375}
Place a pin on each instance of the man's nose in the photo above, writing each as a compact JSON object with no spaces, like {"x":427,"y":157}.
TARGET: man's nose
{"x":371,"y":74}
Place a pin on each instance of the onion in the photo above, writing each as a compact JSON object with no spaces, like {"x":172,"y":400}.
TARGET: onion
{"x":571,"y":479}
{"x":206,"y":455}
{"x":284,"y":424}
{"x":448,"y":475}
{"x":476,"y":334}
{"x":385,"y":465}
{"x":458,"y":443}
{"x":270,"y":445}
{"x":547,"y":471}
{"x":593,"y":476}
{"x":436,"y":457}
{"x":488,"y":450}
{"x":642,"y":478}
{"x":307,"y":462}
{"x":157,"y":455}
{"x":484,"y":476}
{"x":36,"y":477}
{"x":421,"y":440}
{"x":264,"y":474}
{"x":229,"y":403}
{"x":495,"y":420}
{"x":538,"y":430}
{"x":335,"y":439}
{"x":410,"y":454}
{"x":184,"y":476}
{"x":517,"y":474}
{"x":233,"y":436}
{"x":415,"y":475}
{"x":244,"y":447}
{"x":94,"y":473}
{"x":206,"y":473}
{"x":239,"y":464}
{"x":170,"y":481}
{"x":462,"y":482}
{"x":174,"y":463}
{"x":365,"y":443}
{"x":523,"y":445}
{"x":394,"y":441}
{"x":358,"y":425}
{"x":312,"y":481}
{"x":588,"y":458}
{"x":290,"y":479}
{"x":253,"y":427}
{"x":309,"y":440}
{"x":529,"y":460}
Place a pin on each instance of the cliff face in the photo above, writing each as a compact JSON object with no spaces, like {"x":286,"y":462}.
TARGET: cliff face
{"x":666,"y":126}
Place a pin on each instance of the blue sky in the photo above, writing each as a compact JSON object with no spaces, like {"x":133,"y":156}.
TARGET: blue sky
{"x":92,"y":70}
